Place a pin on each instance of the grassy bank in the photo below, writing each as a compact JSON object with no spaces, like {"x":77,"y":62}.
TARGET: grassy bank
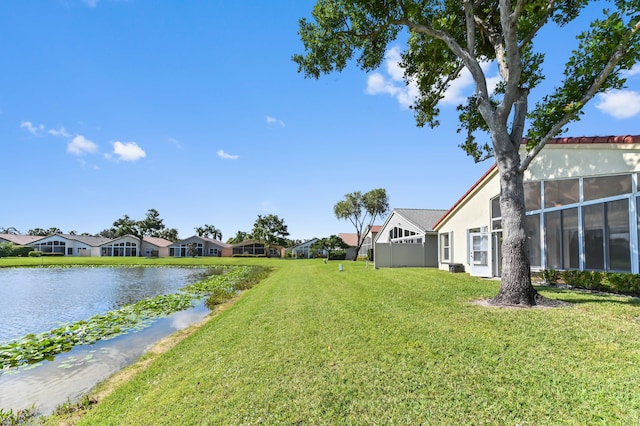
{"x":311,"y":345}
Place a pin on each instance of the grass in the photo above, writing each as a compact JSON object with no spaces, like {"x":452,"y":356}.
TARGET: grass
{"x":311,"y":345}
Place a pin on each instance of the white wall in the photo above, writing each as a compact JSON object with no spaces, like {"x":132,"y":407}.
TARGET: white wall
{"x":474,"y":212}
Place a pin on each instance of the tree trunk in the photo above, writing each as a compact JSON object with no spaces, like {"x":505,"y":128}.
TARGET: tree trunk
{"x":515,"y":285}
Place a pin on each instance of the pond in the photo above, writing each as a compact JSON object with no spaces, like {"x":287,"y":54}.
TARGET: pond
{"x":39,"y":299}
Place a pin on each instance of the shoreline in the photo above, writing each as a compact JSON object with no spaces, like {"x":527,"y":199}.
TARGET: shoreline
{"x":104,"y":388}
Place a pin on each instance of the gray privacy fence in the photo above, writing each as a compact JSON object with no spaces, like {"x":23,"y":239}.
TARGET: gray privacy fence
{"x":388,"y":255}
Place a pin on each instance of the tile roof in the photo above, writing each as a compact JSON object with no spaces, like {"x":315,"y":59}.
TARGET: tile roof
{"x":593,"y":139}
{"x":87,"y":239}
{"x":158,"y":242}
{"x":349,"y":238}
{"x":21,"y":240}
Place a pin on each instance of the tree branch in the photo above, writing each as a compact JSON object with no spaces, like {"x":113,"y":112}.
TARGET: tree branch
{"x":550,"y":8}
{"x":508,"y":21}
{"x":468,"y":60}
{"x":614,"y":59}
{"x":471,"y":30}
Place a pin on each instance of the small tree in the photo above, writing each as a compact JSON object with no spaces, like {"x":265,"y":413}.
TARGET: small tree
{"x":270,"y":230}
{"x":6,"y":249}
{"x":192,"y":249}
{"x":362,"y":209}
{"x":330,"y":244}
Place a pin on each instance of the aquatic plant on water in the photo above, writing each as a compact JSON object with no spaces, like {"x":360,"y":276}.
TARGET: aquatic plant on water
{"x":34,"y":348}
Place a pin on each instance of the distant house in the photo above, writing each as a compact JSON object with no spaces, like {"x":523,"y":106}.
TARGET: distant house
{"x":254,"y":248}
{"x":128,"y":246}
{"x":350,"y":239}
{"x":303,"y":250}
{"x":407,"y":239}
{"x":70,"y":245}
{"x":203,"y":247}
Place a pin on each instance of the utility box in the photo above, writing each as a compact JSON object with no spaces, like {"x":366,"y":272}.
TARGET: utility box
{"x":456,"y":267}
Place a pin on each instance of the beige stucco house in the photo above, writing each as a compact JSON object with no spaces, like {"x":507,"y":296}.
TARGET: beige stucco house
{"x":582,"y":200}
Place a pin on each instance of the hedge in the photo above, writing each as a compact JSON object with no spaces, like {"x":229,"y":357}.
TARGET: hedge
{"x":612,"y":282}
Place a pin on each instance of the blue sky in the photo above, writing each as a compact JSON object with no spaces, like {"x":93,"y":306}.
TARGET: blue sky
{"x":195,"y":109}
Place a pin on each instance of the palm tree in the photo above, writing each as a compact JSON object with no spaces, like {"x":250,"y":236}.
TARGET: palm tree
{"x":10,"y":230}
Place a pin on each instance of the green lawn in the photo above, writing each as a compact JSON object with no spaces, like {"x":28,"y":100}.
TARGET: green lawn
{"x":311,"y":345}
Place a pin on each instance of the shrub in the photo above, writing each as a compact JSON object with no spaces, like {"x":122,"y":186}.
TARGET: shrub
{"x":220,"y":295}
{"x":550,"y":276}
{"x":6,"y":249}
{"x":572,"y":278}
{"x":35,"y":253}
{"x":21,"y":251}
{"x":338,"y":255}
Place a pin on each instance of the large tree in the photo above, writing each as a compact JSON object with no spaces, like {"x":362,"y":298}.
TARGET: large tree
{"x":270,"y":230}
{"x":362,"y":210}
{"x":447,"y":37}
{"x":150,"y":226}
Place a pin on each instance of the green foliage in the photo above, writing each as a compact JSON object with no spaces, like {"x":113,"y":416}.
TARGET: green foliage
{"x":270,"y":230}
{"x":362,"y":210}
{"x":6,"y":249}
{"x":209,"y":231}
{"x":19,"y":417}
{"x":35,"y":253}
{"x":614,"y":282}
{"x":338,"y":255}
{"x":550,"y":276}
{"x":69,"y":407}
{"x":328,"y":245}
{"x":21,"y":251}
{"x":446,"y":37}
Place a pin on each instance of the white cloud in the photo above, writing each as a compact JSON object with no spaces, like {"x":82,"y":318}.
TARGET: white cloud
{"x":59,"y":132}
{"x":81,"y":145}
{"x":619,"y":104}
{"x":226,"y":156}
{"x":635,"y":70}
{"x":128,"y":151}
{"x":394,"y":85}
{"x":34,"y":130}
{"x":273,"y":120}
